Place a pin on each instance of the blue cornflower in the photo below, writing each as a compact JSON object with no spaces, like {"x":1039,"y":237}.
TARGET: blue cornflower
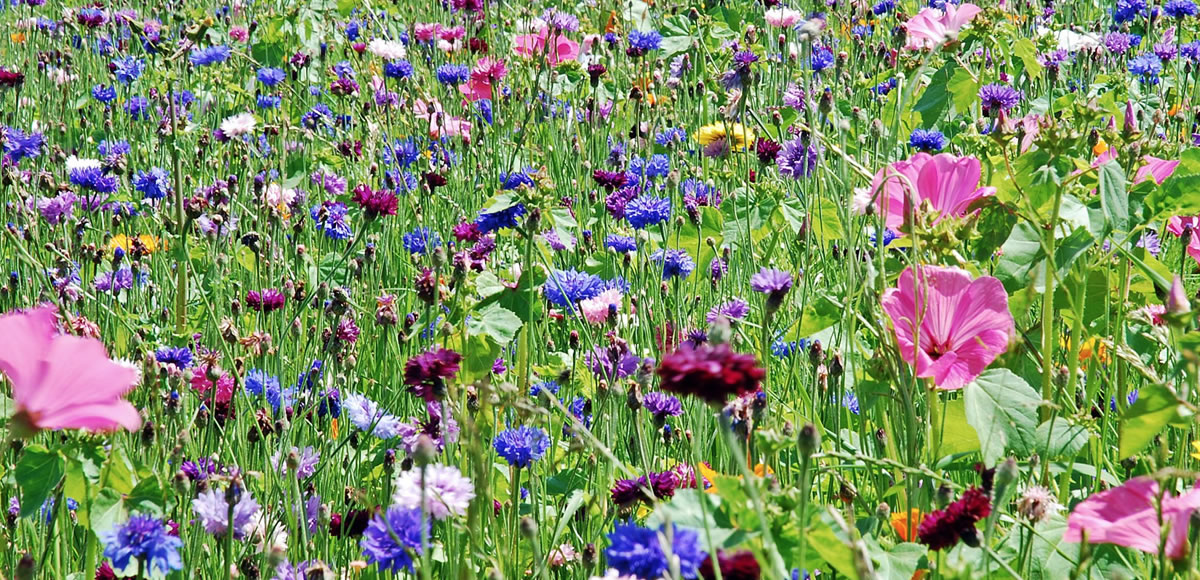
{"x":850,"y":401}
{"x":670,"y":137}
{"x":658,"y":165}
{"x":927,"y":140}
{"x":885,"y":87}
{"x":453,"y":74}
{"x":393,"y":537}
{"x":421,"y":241}
{"x":1147,"y":67}
{"x":128,"y":69}
{"x":145,"y":539}
{"x":209,"y":56}
{"x":353,"y":29}
{"x":675,"y":263}
{"x":259,"y":381}
{"x":622,"y":244}
{"x":1180,"y":8}
{"x":521,"y":446}
{"x":550,"y":387}
{"x":565,"y":287}
{"x":270,"y":76}
{"x":641,"y":42}
{"x":138,"y":108}
{"x":488,"y":222}
{"x":883,"y":7}
{"x":647,"y":210}
{"x":579,"y":408}
{"x":106,"y":148}
{"x":998,"y":97}
{"x":153,"y":184}
{"x":180,"y":356}
{"x":403,"y":152}
{"x":398,"y":69}
{"x":343,"y":69}
{"x":269,"y":101}
{"x":19,"y":145}
{"x":485,"y":109}
{"x":330,"y":218}
{"x":822,"y":58}
{"x":104,"y":94}
{"x":638,"y":552}
{"x":516,"y":179}
{"x":1127,"y":10}
{"x":94,"y":179}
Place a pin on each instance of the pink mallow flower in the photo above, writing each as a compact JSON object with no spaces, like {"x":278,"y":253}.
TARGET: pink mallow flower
{"x":1128,"y":516}
{"x":1157,"y":169}
{"x":948,"y":182}
{"x":441,"y":123}
{"x":931,"y":27}
{"x":60,"y":381}
{"x":951,"y":325}
{"x":560,"y":50}
{"x":1177,"y":225}
{"x":484,"y":76}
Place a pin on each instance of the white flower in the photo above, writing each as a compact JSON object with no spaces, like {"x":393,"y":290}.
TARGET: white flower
{"x":387,"y":49}
{"x":74,"y":163}
{"x":447,"y":491}
{"x":238,"y":125}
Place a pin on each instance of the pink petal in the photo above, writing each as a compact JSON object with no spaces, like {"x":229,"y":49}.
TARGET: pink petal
{"x":957,"y":17}
{"x":1127,"y":516}
{"x":24,"y":336}
{"x":78,"y":372}
{"x":1155,"y":168}
{"x":94,"y":417}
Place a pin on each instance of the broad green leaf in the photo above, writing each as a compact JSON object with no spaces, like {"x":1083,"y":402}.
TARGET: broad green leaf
{"x":1003,"y":409}
{"x":149,"y":497}
{"x":38,"y":472}
{"x":1177,"y":195}
{"x":690,"y":508}
{"x":957,"y":435}
{"x":1018,"y":256}
{"x":1027,"y":52}
{"x":107,"y":511}
{"x":1156,"y":407}
{"x":834,"y":549}
{"x":817,"y":315}
{"x":677,"y":36}
{"x":964,"y":90}
{"x":495,"y":321}
{"x":936,"y":98}
{"x":247,"y":259}
{"x":1058,"y":439}
{"x":826,"y":221}
{"x":899,"y":563}
{"x":1113,"y":198}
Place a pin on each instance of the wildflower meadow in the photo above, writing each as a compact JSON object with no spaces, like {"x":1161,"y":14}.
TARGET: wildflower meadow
{"x":628,"y":290}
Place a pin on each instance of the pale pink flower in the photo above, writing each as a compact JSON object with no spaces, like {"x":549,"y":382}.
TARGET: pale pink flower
{"x":563,"y":555}
{"x":1157,"y":169}
{"x":441,"y":123}
{"x":783,"y":17}
{"x":561,"y":49}
{"x":596,"y":310}
{"x":931,"y":27}
{"x":60,"y":381}
{"x":238,"y":125}
{"x":278,"y":197}
{"x":947,"y":324}
{"x":1128,"y":516}
{"x":948,"y":182}
{"x":387,"y":49}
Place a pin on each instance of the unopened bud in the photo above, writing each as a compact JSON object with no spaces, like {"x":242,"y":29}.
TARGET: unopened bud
{"x":809,"y":439}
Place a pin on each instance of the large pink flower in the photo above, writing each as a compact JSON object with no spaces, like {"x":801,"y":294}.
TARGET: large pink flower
{"x":1177,"y":225}
{"x":953,"y":327}
{"x":948,"y":182}
{"x":61,"y":381}
{"x":441,"y":123}
{"x":931,"y":27}
{"x":561,"y":49}
{"x":1128,"y":516}
{"x":1157,"y":169}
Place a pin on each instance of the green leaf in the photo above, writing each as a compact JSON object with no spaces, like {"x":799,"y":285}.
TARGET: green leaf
{"x":677,"y":36}
{"x":1113,"y":198}
{"x":817,"y":315}
{"x":247,"y":259}
{"x":107,"y":511}
{"x":826,"y":221}
{"x":1177,"y":195}
{"x":964,"y":90}
{"x":1019,"y":254}
{"x":835,"y":550}
{"x":933,"y":102}
{"x":1156,"y":407}
{"x":38,"y":472}
{"x":1003,"y":409}
{"x":1027,"y":52}
{"x":495,"y":321}
{"x":1057,"y":439}
{"x":899,"y":563}
{"x":148,"y":497}
{"x":957,"y":434}
{"x":691,"y":508}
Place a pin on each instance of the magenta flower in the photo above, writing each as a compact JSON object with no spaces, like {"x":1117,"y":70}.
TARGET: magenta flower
{"x":931,"y":27}
{"x":949,"y":183}
{"x":1157,"y":169}
{"x":1128,"y":516}
{"x":953,"y":327}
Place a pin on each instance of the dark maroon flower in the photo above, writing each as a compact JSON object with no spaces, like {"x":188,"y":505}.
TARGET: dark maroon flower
{"x":712,"y":373}
{"x":343,"y":87}
{"x":11,"y":79}
{"x":105,"y":572}
{"x":467,"y":232}
{"x":376,"y":203}
{"x":351,"y":525}
{"x":434,"y":180}
{"x":595,"y":71}
{"x":616,"y":201}
{"x":663,"y":484}
{"x":483,"y":248}
{"x":426,"y":373}
{"x":766,"y":150}
{"x":626,"y":493}
{"x":427,"y":286}
{"x":739,"y":565}
{"x":266,"y":301}
{"x":477,"y":45}
{"x":942,"y":529}
{"x":609,"y":180}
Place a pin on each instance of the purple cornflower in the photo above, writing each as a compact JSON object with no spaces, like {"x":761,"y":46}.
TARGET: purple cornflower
{"x":306,"y":461}
{"x":998,"y":97}
{"x":662,"y":405}
{"x":735,"y":309}
{"x":774,"y":283}
{"x":212,"y":512}
{"x":796,"y":159}
{"x":675,"y":263}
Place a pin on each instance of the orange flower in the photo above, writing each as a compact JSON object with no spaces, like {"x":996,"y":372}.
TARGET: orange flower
{"x":906,"y":524}
{"x":18,"y":37}
{"x":1100,"y":149}
{"x":613,"y":24}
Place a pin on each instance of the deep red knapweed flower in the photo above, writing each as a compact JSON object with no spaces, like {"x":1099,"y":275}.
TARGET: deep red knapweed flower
{"x":766,"y":150}
{"x":426,"y":373}
{"x":11,"y":79}
{"x":739,"y":565}
{"x":712,"y":373}
{"x":609,"y":180}
{"x":376,"y":203}
{"x":268,"y":300}
{"x":351,"y":525}
{"x":942,"y":529}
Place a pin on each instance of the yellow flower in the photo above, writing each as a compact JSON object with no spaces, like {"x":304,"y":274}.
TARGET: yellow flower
{"x":149,"y":242}
{"x":738,"y":136}
{"x":708,"y":475}
{"x":1196,"y":446}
